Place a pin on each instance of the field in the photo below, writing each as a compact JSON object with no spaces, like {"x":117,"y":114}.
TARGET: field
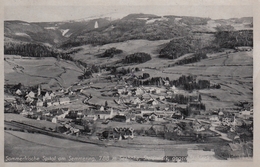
{"x":129,"y":47}
{"x":33,"y":71}
{"x":38,"y":123}
{"x":20,"y":144}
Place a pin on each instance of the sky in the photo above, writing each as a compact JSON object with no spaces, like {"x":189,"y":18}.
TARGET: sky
{"x":41,"y":13}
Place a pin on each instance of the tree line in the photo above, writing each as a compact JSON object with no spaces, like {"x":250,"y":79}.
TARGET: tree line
{"x":34,"y":50}
{"x":138,"y":57}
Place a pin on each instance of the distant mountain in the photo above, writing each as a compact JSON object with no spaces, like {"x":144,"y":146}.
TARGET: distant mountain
{"x":52,"y":33}
{"x":72,"y":33}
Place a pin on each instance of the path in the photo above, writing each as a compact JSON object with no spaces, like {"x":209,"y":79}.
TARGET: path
{"x":223,"y":135}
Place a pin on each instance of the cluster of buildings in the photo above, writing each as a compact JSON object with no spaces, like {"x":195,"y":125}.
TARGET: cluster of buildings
{"x":170,"y":112}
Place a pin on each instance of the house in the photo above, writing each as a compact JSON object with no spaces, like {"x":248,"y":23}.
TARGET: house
{"x":139,"y":91}
{"x":46,"y":97}
{"x":102,"y":114}
{"x":52,"y":95}
{"x":121,"y":91}
{"x":125,"y":132}
{"x":153,"y":117}
{"x":137,"y":101}
{"x":90,"y":117}
{"x":48,"y":102}
{"x":56,"y":112}
{"x":54,"y":120}
{"x":64,"y":100}
{"x":173,"y":88}
{"x":24,"y":113}
{"x":29,"y":99}
{"x":214,"y":118}
{"x":129,"y":93}
{"x":197,"y":126}
{"x":166,"y":82}
{"x":39,"y":103}
{"x":162,"y":97}
{"x":153,"y":102}
{"x":31,"y":94}
{"x":247,"y":123}
{"x":220,"y":113}
{"x":102,"y":108}
{"x":18,"y":92}
{"x":245,"y":114}
{"x":146,"y":96}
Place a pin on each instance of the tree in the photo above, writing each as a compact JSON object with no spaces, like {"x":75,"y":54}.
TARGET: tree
{"x":200,"y":97}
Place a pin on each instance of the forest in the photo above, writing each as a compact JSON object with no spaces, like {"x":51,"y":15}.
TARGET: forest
{"x":139,"y":57}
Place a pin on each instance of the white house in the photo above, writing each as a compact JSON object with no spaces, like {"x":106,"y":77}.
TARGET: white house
{"x":220,"y":113}
{"x":54,"y":120}
{"x":129,"y":93}
{"x":101,"y":108}
{"x":39,"y":103}
{"x":18,"y":92}
{"x":161,"y":97}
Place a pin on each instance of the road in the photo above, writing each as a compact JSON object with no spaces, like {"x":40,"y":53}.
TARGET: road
{"x":223,"y":135}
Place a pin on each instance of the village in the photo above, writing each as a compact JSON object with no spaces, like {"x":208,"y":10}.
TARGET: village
{"x":131,"y":112}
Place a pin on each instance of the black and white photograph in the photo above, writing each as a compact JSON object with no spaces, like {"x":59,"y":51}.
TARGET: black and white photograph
{"x":122,"y":82}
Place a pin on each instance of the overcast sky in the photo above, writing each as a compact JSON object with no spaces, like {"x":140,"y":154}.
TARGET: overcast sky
{"x":61,"y":13}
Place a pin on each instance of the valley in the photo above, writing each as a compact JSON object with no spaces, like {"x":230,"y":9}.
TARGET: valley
{"x":137,"y":87}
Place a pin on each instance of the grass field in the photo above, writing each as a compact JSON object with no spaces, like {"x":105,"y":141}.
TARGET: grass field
{"x":20,"y":144}
{"x":38,"y":123}
{"x":33,"y":71}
